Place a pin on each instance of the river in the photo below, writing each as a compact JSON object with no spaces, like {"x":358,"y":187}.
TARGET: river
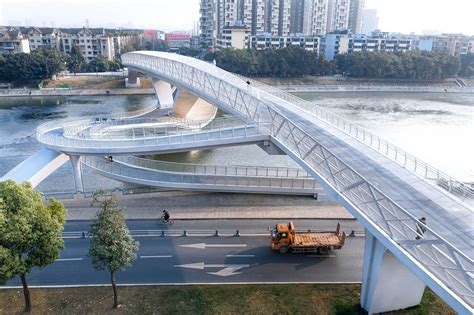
{"x":437,"y":128}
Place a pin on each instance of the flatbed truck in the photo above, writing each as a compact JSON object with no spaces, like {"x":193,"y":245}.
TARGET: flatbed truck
{"x":286,"y":238}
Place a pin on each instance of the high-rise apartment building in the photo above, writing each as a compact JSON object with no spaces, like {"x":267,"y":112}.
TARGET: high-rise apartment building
{"x":355,"y":16}
{"x":370,"y":21}
{"x":258,"y":16}
{"x":296,"y":16}
{"x":277,"y":17}
{"x":338,"y":15}
{"x":315,"y":17}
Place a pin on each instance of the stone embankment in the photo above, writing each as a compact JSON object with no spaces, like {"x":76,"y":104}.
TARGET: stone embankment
{"x":73,"y":92}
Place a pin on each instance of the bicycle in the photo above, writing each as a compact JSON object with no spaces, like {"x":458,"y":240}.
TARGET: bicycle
{"x":163,"y":221}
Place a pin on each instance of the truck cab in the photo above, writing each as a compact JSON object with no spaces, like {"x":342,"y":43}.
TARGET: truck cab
{"x":281,"y":237}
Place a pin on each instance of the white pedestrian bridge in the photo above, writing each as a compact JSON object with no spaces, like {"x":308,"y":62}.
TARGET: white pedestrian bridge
{"x":384,"y":187}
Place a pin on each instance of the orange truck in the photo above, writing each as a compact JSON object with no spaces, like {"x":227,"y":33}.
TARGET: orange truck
{"x":285,"y":238}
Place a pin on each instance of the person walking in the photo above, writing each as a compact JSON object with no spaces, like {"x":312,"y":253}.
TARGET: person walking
{"x":420,"y":227}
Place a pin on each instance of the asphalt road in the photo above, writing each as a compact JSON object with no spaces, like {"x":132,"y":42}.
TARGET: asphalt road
{"x":203,"y":259}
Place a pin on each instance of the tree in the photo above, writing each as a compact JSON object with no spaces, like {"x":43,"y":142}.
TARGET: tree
{"x":76,"y":61}
{"x":112,"y":247}
{"x":30,"y":232}
{"x":467,"y":65}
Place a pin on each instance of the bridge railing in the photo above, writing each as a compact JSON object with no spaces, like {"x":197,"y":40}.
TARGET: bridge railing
{"x":126,"y":171}
{"x":244,"y":130}
{"x":101,"y":127}
{"x":204,"y":169}
{"x":407,"y":160}
{"x":80,"y":122}
{"x":152,"y":127}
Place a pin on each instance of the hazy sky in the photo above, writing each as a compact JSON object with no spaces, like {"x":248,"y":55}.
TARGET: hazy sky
{"x":395,"y":15}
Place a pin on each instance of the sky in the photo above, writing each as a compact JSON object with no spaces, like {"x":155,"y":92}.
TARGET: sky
{"x":405,"y":16}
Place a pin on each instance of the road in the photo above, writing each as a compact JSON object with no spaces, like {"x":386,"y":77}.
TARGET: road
{"x":203,"y":259}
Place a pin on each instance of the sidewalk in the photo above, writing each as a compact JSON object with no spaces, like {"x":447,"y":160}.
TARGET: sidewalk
{"x":195,"y":206}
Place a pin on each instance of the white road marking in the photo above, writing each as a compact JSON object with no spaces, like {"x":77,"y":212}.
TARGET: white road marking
{"x":204,"y":245}
{"x":202,"y":265}
{"x":157,"y":256}
{"x":322,"y":256}
{"x":235,"y":255}
{"x":228,"y":271}
{"x":69,"y":259}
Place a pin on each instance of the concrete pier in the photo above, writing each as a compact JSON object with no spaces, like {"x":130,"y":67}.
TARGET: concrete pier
{"x":387,"y":285}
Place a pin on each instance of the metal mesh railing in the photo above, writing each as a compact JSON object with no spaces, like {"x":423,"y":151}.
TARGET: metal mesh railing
{"x":154,"y":177}
{"x":221,"y":170}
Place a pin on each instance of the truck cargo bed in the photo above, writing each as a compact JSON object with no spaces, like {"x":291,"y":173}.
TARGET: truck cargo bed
{"x":314,"y":239}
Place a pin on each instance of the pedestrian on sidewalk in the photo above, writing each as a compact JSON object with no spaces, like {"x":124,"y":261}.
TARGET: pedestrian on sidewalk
{"x":420,"y":227}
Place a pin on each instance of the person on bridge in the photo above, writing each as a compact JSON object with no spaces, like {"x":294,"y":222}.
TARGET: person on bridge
{"x":166,"y":215}
{"x":420,"y":228}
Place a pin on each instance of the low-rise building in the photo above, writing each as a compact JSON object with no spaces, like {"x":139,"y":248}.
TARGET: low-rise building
{"x":91,"y":42}
{"x":178,"y":40}
{"x":233,"y":36}
{"x":265,"y":41}
{"x":13,"y":41}
{"x":334,"y":44}
{"x":453,"y":44}
{"x":384,"y":44}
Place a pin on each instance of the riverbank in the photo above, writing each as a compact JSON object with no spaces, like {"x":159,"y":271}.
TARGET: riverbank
{"x":341,"y":84}
{"x":97,"y":86}
{"x":74,"y":92}
{"x":205,"y":299}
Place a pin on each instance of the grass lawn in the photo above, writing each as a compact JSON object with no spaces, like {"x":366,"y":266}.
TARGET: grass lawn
{"x":222,"y":299}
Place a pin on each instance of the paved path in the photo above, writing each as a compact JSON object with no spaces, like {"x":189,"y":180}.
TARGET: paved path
{"x":214,"y":206}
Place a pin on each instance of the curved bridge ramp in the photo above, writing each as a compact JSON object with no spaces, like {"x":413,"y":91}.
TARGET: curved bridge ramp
{"x":386,"y":196}
{"x":263,"y":180}
{"x":137,"y":140}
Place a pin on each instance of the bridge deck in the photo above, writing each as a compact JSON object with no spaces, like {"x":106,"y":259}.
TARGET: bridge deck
{"x":447,"y":215}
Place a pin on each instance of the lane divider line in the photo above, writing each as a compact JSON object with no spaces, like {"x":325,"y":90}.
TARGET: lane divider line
{"x":157,"y":256}
{"x":236,"y":255}
{"x":69,"y":259}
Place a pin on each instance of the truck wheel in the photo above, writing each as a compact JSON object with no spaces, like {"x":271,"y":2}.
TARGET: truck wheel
{"x":283,"y":249}
{"x":323,"y":250}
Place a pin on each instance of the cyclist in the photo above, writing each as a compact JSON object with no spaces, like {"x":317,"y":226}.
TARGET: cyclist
{"x":166,"y":215}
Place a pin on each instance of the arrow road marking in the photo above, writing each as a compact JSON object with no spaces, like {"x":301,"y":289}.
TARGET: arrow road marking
{"x":229,"y":269}
{"x":204,"y":245}
{"x":69,"y":259}
{"x":157,"y":256}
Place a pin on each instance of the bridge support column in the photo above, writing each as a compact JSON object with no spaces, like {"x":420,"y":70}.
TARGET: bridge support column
{"x":387,"y":285}
{"x":77,"y":172}
{"x":164,"y":93}
{"x":133,"y":81}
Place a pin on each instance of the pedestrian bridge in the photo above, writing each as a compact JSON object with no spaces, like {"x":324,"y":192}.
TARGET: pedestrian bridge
{"x":384,"y":187}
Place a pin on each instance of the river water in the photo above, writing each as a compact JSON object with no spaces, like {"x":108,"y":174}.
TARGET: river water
{"x":435,"y":127}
